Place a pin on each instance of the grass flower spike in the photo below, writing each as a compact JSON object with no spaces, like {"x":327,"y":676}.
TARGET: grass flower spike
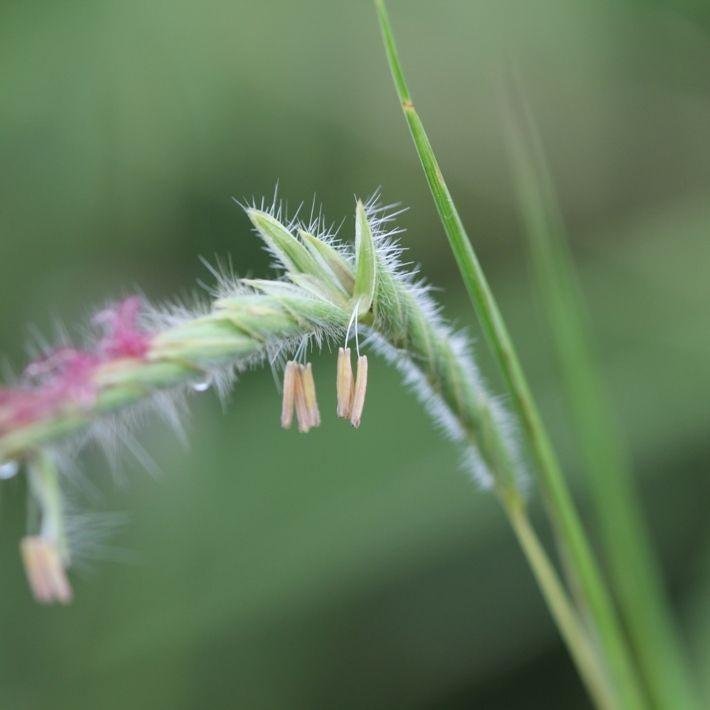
{"x":327,"y":291}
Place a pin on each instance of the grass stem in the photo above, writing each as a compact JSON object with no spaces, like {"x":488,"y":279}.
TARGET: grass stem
{"x":561,"y":608}
{"x":560,"y":506}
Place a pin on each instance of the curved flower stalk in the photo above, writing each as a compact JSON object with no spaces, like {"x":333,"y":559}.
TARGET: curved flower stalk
{"x":327,"y":292}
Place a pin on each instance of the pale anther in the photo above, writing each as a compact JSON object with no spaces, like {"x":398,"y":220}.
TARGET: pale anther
{"x":359,"y":392}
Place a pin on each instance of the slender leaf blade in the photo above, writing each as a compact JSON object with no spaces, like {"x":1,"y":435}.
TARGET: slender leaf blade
{"x":634,"y":568}
{"x":560,"y":506}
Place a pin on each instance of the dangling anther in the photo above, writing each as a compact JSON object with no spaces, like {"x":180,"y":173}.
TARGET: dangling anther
{"x":358,"y":401}
{"x":299,"y":397}
{"x":287,"y":402}
{"x":344,"y":383}
{"x":309,"y":392}
{"x":45,"y":570}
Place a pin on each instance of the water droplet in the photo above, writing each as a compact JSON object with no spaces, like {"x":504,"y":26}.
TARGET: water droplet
{"x":202,"y":385}
{"x":9,"y":469}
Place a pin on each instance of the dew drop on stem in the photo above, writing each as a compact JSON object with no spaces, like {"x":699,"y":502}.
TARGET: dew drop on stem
{"x":202,"y":385}
{"x":8,"y":470}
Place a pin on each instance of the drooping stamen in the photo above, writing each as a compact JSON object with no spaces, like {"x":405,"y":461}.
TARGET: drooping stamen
{"x":288,"y":394}
{"x":359,"y":393}
{"x":309,"y":391}
{"x":299,"y":395}
{"x":344,"y":383}
{"x":351,"y":322}
{"x":45,"y":571}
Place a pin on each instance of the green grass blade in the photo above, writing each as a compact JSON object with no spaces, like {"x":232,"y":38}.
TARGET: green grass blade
{"x":559,"y":502}
{"x":633,"y":567}
{"x":568,"y":621}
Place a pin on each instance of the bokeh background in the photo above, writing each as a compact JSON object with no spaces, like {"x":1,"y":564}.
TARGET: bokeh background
{"x":264,"y":569}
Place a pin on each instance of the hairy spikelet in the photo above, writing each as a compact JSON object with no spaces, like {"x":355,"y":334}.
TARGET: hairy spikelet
{"x":411,"y":334}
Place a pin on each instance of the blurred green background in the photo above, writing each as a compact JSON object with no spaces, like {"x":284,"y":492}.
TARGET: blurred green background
{"x":346,"y":570}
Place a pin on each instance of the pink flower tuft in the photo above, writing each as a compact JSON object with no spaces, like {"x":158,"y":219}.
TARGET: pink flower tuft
{"x":122,"y":335}
{"x":65,"y":364}
{"x":17,"y":406}
{"x":65,"y":377}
